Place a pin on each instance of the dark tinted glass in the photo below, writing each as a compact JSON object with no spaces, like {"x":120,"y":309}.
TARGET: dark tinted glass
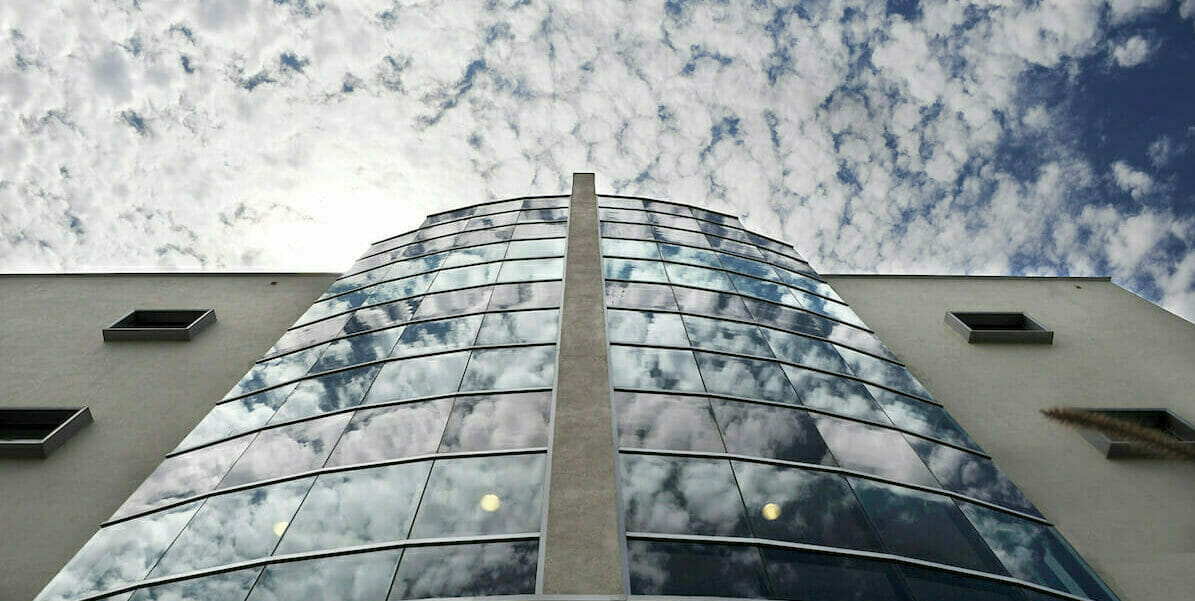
{"x":392,"y":432}
{"x":667,"y":568}
{"x":802,"y":506}
{"x":332,"y":392}
{"x":772,"y":432}
{"x":945,"y":586}
{"x":711,"y":303}
{"x":482,"y":495}
{"x":357,"y":577}
{"x":629,"y":295}
{"x":971,"y":475}
{"x":1036,"y":553}
{"x":921,"y":417}
{"x":657,"y":421}
{"x":467,"y":570}
{"x":234,"y":527}
{"x":833,"y":393}
{"x":883,"y":373}
{"x":681,"y":495}
{"x":662,"y":369}
{"x":381,"y":316}
{"x":748,"y":378}
{"x":801,"y":575}
{"x":229,"y":586}
{"x":183,"y":476}
{"x":873,"y":450}
{"x":357,"y":507}
{"x":525,"y":296}
{"x":503,"y":421}
{"x":924,"y":526}
{"x":287,"y":450}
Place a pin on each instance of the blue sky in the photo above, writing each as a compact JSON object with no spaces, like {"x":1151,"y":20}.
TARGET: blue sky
{"x":1048,"y":137}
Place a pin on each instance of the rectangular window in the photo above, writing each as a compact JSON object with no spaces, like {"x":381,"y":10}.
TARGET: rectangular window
{"x":30,"y":432}
{"x":1011,"y":327}
{"x":177,"y":324}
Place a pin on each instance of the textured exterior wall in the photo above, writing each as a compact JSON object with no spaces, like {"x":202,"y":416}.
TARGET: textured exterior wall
{"x":144,"y":396}
{"x":1131,"y":519}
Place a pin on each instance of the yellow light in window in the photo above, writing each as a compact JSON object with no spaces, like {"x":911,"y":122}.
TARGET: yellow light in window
{"x":771,"y":511}
{"x":280,"y":527}
{"x":490,"y":502}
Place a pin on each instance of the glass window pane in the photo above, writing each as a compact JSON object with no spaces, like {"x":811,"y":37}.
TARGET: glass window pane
{"x":806,"y":351}
{"x":527,"y":249}
{"x":920,"y":417}
{"x":808,"y":284}
{"x":443,"y":229}
{"x":923,"y":526}
{"x":1036,"y":553}
{"x":632,"y":231}
{"x":626,"y":216}
{"x":883,"y":373}
{"x":381,"y":316}
{"x":971,"y":475}
{"x":354,"y":282}
{"x":734,"y":246}
{"x":234,"y":527}
{"x":118,"y":555}
{"x":630,"y":248}
{"x":482,"y":495}
{"x":728,"y":336}
{"x":684,"y":223}
{"x":525,"y":296}
{"x":531,"y":269}
{"x":538,"y":215}
{"x":406,"y":287}
{"x":411,"y":267}
{"x":489,"y":236}
{"x":519,"y":327}
{"x":666,"y":207}
{"x":358,"y":349}
{"x":829,"y":308}
{"x":433,"y":336}
{"x":690,"y":255}
{"x":334,"y":305}
{"x":545,"y":203}
{"x":654,"y":368}
{"x":498,"y":207}
{"x":448,"y":304}
{"x":854,"y":337}
{"x":681,"y":495}
{"x":657,"y":421}
{"x":184,"y":476}
{"x":317,"y":332}
{"x":945,"y":586}
{"x":229,"y":586}
{"x":747,"y":266}
{"x":524,"y":231}
{"x":803,"y":507}
{"x":769,"y":291}
{"x":422,"y":376}
{"x":873,"y":450}
{"x":495,"y":220}
{"x":465,"y":277}
{"x":392,"y":432}
{"x":328,"y":393}
{"x":630,"y":269}
{"x":357,"y":577}
{"x":287,"y":450}
{"x":772,"y":432}
{"x":276,"y":371}
{"x":620,"y":203}
{"x":237,"y":416}
{"x":711,"y":303}
{"x":467,"y":570}
{"x":801,"y":575}
{"x":507,"y":368}
{"x":667,"y":568}
{"x":788,"y":319}
{"x":629,"y":295}
{"x":357,"y":507}
{"x":492,"y":422}
{"x":645,"y":327}
{"x":748,"y":378}
{"x":833,"y":393}
{"x":476,"y":254}
{"x":699,"y":277}
{"x":664,"y":234}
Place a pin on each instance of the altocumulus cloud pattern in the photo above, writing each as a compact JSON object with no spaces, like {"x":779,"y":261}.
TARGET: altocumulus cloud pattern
{"x":1048,"y":137}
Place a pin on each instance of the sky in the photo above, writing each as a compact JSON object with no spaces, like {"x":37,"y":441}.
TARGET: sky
{"x":1051,"y":137}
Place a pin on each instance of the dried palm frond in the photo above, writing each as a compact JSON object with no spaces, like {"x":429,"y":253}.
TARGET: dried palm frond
{"x":1121,"y":429}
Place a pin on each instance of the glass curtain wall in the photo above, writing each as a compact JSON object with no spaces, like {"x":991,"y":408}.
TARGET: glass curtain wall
{"x":770,"y":446}
{"x":391,"y":445}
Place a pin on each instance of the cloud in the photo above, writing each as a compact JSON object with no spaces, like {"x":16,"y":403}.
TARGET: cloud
{"x":1136,"y":183}
{"x":1132,"y":52}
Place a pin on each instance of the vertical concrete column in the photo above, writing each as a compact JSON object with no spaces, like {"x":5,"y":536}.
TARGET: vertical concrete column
{"x":582,"y":552}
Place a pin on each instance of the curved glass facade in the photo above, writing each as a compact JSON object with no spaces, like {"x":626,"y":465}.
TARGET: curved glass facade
{"x":397,"y":441}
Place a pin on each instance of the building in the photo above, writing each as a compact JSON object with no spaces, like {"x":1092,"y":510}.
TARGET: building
{"x":609,"y":396}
